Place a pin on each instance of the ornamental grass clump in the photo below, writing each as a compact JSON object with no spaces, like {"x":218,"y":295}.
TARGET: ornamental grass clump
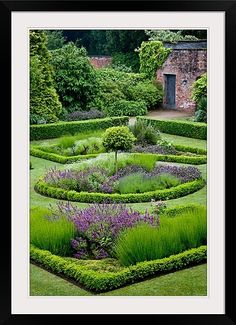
{"x":174,"y":235}
{"x":98,"y":226}
{"x":54,"y":235}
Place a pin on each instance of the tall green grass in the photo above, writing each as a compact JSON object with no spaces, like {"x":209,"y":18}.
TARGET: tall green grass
{"x":174,"y":235}
{"x":67,"y":141}
{"x":140,"y":183}
{"x":52,"y":235}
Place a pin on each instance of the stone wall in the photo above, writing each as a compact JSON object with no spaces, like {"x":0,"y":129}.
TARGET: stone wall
{"x":100,"y":61}
{"x":187,"y":65}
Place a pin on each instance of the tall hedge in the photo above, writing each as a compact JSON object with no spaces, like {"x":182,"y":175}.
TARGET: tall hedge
{"x":45,"y":106}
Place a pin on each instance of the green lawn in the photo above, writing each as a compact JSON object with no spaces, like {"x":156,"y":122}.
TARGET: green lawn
{"x":177,"y":139}
{"x":188,"y":282}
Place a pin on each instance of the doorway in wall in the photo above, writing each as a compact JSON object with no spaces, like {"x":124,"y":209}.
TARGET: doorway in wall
{"x":170,"y":86}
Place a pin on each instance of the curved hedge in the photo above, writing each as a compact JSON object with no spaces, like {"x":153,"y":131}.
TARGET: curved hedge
{"x":55,"y":130}
{"x":59,"y":158}
{"x":101,"y":282}
{"x":87,"y":197}
{"x":184,"y":128}
{"x":36,"y":152}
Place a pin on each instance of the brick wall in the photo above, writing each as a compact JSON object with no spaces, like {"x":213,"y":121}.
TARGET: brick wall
{"x":100,"y":61}
{"x":187,"y":65}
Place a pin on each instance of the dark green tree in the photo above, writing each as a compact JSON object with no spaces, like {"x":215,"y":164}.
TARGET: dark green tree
{"x":55,"y":39}
{"x":44,"y":102}
{"x":75,"y":77}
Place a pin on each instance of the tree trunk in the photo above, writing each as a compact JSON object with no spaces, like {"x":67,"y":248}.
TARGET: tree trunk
{"x":116,"y":161}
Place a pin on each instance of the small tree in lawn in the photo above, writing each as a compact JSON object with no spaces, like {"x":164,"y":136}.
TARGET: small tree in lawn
{"x":118,"y":138}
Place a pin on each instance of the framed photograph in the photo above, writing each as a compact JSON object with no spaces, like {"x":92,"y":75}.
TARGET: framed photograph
{"x":118,"y":137}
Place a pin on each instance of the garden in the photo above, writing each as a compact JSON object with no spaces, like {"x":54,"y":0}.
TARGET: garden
{"x":117,"y":205}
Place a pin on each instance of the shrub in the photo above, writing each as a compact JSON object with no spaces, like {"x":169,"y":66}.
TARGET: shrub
{"x":144,"y":243}
{"x":183,"y":173}
{"x":201,"y":110}
{"x":146,"y":91}
{"x":56,"y":130}
{"x":105,"y":281}
{"x":98,"y":225}
{"x":155,"y":149}
{"x":199,"y":88}
{"x":126,"y":108}
{"x":186,"y":129}
{"x":53,"y":235}
{"x":144,"y":132}
{"x":118,"y":138}
{"x":75,"y":77}
{"x":126,"y":62}
{"x":44,"y":101}
{"x":84,"y":115}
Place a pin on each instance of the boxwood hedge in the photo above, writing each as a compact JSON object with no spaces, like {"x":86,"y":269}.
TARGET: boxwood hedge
{"x":87,"y":197}
{"x":37,"y":152}
{"x":55,"y":130}
{"x":100,"y":282}
{"x":183,"y":128}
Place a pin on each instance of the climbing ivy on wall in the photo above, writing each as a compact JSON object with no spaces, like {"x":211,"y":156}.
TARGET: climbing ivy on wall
{"x":152,"y":55}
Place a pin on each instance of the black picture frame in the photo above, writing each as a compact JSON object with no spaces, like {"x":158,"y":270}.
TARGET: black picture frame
{"x":229,"y":7}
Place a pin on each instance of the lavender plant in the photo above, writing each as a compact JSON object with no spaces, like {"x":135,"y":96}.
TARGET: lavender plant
{"x":98,"y":226}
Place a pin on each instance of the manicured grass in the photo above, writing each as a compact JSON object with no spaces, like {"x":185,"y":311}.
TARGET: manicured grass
{"x":188,"y":282}
{"x":184,"y":141}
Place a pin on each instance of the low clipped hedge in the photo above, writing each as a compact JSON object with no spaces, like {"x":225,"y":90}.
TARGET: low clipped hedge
{"x":198,"y":151}
{"x":172,"y":212}
{"x":36,"y":152}
{"x":127,"y":108}
{"x":55,"y":130}
{"x":183,"y":128}
{"x":100,"y":282}
{"x":87,"y":197}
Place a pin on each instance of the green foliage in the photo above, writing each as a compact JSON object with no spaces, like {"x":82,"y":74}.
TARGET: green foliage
{"x":124,"y":107}
{"x":31,"y":166}
{"x":53,"y":235}
{"x":201,"y":110}
{"x":75,"y":77}
{"x":127,"y":62}
{"x":44,"y":101}
{"x":152,"y":55}
{"x":118,"y":138}
{"x":167,"y":194}
{"x":165,"y":35}
{"x":150,"y":93}
{"x":144,"y":132}
{"x":178,"y":210}
{"x":49,"y":131}
{"x":186,"y":129}
{"x":199,"y":88}
{"x":146,"y":243}
{"x":105,"y":281}
{"x":138,"y":183}
{"x":55,"y":39}
{"x":198,"y":151}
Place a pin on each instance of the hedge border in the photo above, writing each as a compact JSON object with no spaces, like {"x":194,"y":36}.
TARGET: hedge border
{"x":102,"y":282}
{"x":36,"y":152}
{"x":43,"y":188}
{"x":184,"y":128}
{"x":55,"y":130}
{"x":198,"y":151}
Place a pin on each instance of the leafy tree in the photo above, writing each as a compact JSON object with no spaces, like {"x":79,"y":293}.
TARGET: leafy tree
{"x":152,"y":55}
{"x":44,"y":102}
{"x":199,"y":95}
{"x":118,"y":138}
{"x":55,"y":39}
{"x":169,"y":36}
{"x":75,"y":77}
